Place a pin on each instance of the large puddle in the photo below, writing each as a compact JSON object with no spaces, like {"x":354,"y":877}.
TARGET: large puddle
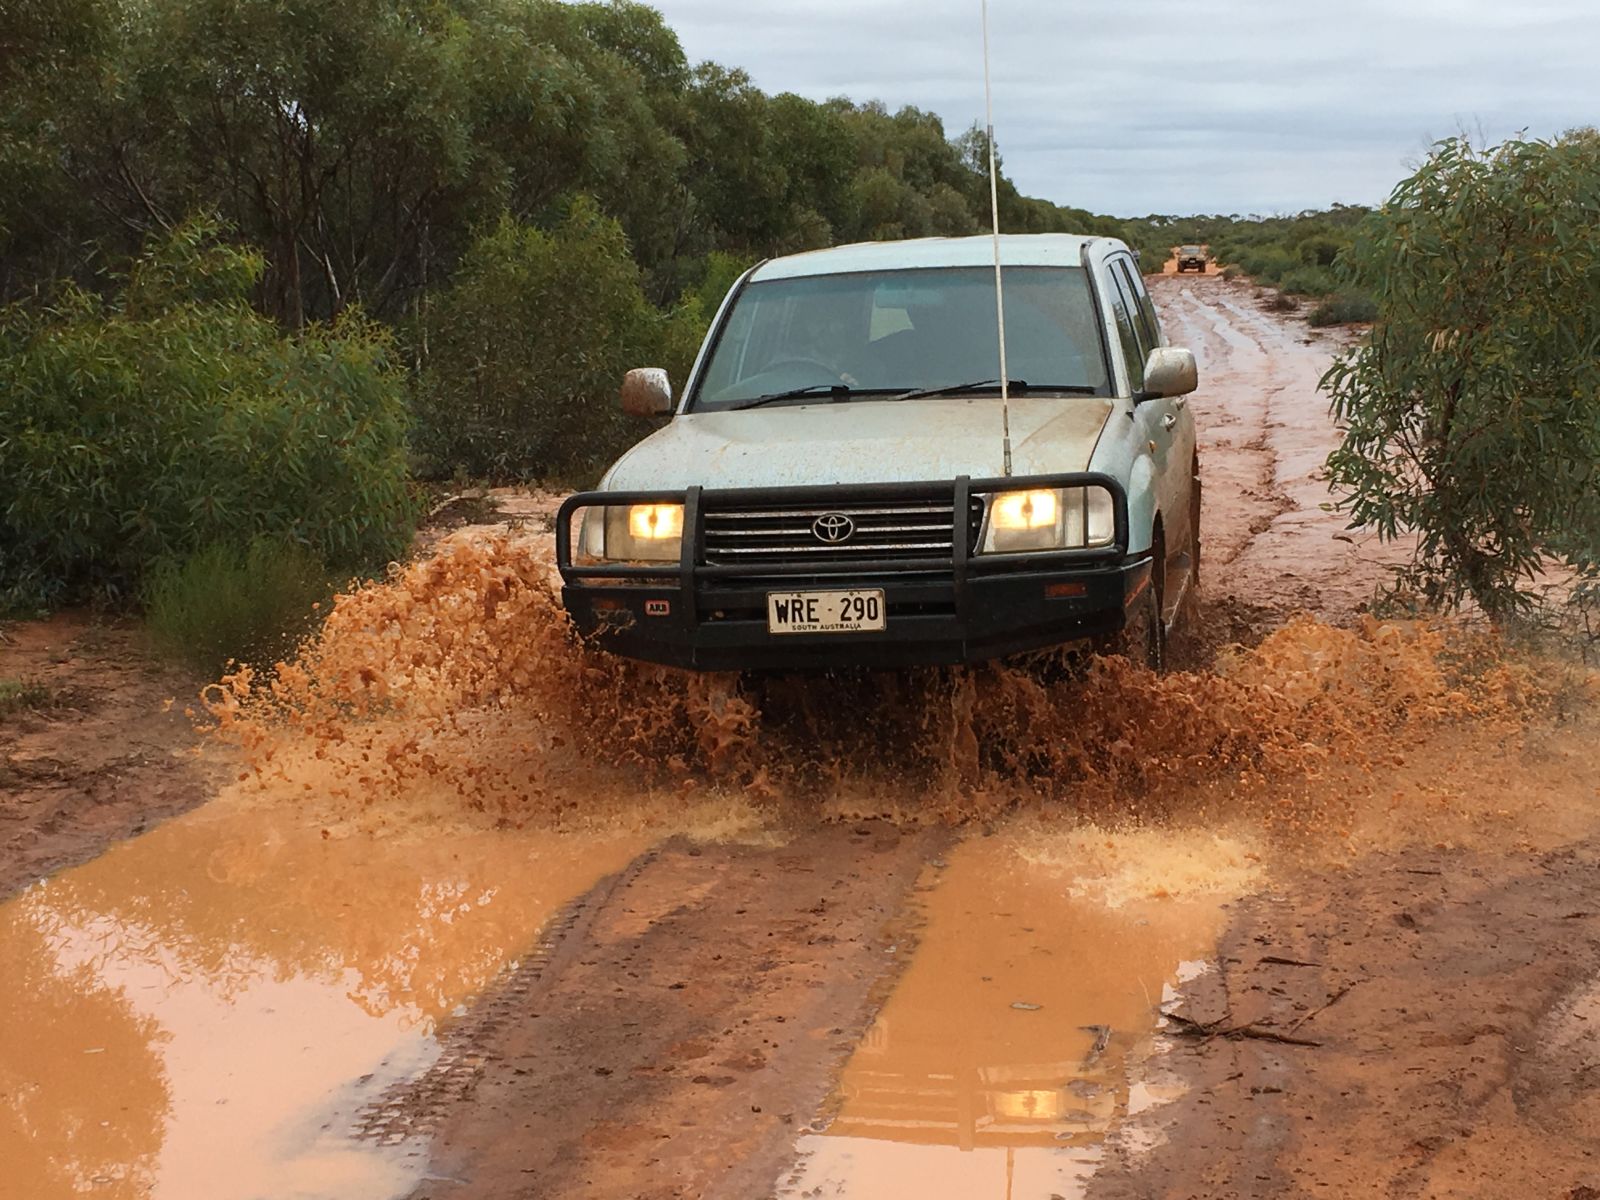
{"x":1018,"y":1038}
{"x":206,"y":1011}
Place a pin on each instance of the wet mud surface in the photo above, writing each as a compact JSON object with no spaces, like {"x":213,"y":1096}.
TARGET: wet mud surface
{"x":1270,"y":543}
{"x":478,"y":914}
{"x":99,"y":755}
{"x":1448,"y":1008}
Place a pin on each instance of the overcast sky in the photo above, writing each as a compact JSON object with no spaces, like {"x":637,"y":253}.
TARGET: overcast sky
{"x":1185,"y":106}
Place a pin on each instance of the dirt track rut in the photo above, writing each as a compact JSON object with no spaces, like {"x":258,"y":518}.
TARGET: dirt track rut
{"x":683,"y":1031}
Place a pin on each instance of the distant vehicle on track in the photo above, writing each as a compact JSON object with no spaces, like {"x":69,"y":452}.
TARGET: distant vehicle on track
{"x":837,"y":486}
{"x":1192,"y":258}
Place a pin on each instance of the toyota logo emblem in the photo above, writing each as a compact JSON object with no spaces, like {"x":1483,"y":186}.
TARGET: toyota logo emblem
{"x":833,"y":528}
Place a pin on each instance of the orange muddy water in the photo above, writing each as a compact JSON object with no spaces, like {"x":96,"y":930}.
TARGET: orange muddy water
{"x":206,"y":1011}
{"x":1016,"y":1041}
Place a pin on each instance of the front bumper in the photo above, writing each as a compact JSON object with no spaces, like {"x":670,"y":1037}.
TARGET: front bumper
{"x":957,"y":608}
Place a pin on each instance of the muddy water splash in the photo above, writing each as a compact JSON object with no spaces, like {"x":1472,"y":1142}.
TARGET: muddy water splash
{"x":459,"y":679}
{"x":458,"y":682}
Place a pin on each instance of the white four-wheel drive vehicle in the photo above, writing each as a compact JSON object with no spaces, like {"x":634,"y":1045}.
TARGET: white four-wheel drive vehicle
{"x":840,"y":484}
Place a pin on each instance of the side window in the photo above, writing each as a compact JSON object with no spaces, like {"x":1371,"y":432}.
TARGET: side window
{"x":1129,"y":339}
{"x":1147,"y":308}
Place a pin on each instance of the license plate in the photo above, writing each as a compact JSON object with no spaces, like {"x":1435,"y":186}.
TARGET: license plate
{"x":825,"y":612}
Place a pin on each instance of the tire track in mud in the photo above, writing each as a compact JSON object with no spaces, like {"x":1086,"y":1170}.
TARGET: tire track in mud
{"x":685,"y":1029}
{"x":416,"y":1107}
{"x":1237,"y":464}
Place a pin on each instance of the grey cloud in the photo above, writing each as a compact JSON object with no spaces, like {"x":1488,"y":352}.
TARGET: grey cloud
{"x":1184,"y":105}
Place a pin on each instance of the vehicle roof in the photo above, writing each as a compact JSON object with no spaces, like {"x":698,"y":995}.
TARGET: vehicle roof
{"x":1016,"y":250}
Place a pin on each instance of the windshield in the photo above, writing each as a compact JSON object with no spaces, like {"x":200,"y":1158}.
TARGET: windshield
{"x":843,"y":337}
{"x":1191,"y":250}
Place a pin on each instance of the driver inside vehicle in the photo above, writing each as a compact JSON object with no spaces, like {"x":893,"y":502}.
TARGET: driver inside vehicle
{"x":933,"y":346}
{"x":823,"y":336}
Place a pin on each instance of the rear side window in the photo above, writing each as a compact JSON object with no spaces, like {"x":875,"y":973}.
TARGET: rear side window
{"x":1147,"y":308}
{"x":1125,"y":312}
{"x":1130,"y":341}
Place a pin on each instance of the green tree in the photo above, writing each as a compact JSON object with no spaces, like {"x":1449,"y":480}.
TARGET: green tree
{"x":176,"y":417}
{"x":51,"y":52}
{"x":1472,"y":414}
{"x":530,"y":343}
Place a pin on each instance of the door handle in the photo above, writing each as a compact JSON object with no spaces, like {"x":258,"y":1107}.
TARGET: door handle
{"x":1169,"y":422}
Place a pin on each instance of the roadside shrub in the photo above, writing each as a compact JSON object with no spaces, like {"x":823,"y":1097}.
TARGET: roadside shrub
{"x":1268,"y":264}
{"x":1472,"y":413}
{"x":227,"y":604}
{"x":1319,"y":250}
{"x":1344,"y":308}
{"x":529,"y":346}
{"x":1231,"y":271}
{"x":23,"y":695}
{"x":175,"y":416}
{"x":1153,"y":259}
{"x":1282,"y":303}
{"x":1308,"y":281}
{"x":719,"y":272}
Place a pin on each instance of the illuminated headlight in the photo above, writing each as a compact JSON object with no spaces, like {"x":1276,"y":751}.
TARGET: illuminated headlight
{"x":635,"y":533}
{"x":1050,"y":519}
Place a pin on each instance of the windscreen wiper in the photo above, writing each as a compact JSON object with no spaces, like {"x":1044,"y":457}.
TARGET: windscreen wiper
{"x":950,"y":389}
{"x":814,"y":389}
{"x":1018,"y":387}
{"x":835,"y":392}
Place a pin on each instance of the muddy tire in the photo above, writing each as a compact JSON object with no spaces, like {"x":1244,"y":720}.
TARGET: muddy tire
{"x":1143,"y":639}
{"x":1187,"y":619}
{"x":1196,"y":502}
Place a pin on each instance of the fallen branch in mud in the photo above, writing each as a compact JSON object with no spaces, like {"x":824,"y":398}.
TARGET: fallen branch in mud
{"x":1210,"y":1030}
{"x":1329,"y":1003}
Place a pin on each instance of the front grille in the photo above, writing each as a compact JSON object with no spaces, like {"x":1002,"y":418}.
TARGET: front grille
{"x":882,"y":529}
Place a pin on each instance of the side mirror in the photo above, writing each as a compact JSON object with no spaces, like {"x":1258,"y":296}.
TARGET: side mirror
{"x":646,"y":392}
{"x":1169,"y":371}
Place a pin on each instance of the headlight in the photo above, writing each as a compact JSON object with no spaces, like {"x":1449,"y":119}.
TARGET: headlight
{"x":635,"y":533}
{"x":655,"y":523}
{"x":1060,"y":519}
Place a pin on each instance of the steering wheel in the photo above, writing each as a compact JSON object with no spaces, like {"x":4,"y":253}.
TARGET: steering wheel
{"x":798,"y":361}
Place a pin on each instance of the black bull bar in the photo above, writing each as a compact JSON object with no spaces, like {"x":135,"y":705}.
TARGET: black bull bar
{"x":659,"y":611}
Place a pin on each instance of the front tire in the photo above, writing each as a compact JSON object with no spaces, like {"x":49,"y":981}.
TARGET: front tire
{"x":1143,"y":637}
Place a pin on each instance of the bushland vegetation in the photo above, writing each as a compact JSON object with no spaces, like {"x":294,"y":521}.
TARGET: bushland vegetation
{"x":1472,"y":412}
{"x":140,"y":428}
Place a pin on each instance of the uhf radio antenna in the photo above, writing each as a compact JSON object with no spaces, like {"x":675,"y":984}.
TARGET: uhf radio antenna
{"x":999,"y":282}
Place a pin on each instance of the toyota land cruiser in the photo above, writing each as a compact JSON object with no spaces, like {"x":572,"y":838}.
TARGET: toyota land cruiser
{"x":841,"y":483}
